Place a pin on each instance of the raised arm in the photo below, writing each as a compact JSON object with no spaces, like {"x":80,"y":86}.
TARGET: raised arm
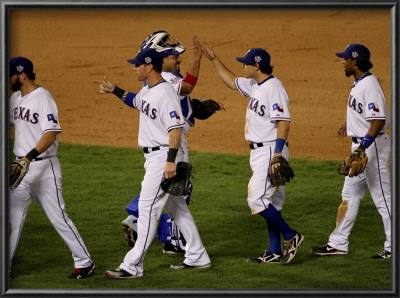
{"x":227,"y":76}
{"x":190,"y":79}
{"x":107,"y":87}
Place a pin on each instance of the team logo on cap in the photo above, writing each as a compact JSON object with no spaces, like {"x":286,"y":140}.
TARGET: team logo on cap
{"x":147,"y":60}
{"x":20,"y":68}
{"x":257,"y":59}
{"x":354,"y":55}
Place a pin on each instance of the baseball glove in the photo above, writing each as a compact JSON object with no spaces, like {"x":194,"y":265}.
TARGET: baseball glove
{"x":204,"y":108}
{"x":283,"y":173}
{"x":177,"y":185}
{"x":18,"y":170}
{"x":354,"y":164}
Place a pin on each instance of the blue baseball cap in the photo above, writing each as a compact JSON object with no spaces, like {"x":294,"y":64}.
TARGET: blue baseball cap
{"x":19,"y":65}
{"x":355,"y":51}
{"x":254,"y":56}
{"x":147,"y":56}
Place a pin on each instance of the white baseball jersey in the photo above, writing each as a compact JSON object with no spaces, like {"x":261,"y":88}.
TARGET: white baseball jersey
{"x":366,"y":103}
{"x":268,"y":103}
{"x":160,"y":113}
{"x":175,"y":79}
{"x":33,"y":115}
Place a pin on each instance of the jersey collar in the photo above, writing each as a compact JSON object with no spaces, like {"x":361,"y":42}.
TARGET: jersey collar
{"x":270,"y":77}
{"x":177,"y":74}
{"x":145,"y":84}
{"x":367,"y":74}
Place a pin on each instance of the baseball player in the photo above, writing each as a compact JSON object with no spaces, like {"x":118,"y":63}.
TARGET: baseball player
{"x":171,"y":49}
{"x":367,"y":122}
{"x":34,"y":114}
{"x":160,"y":132}
{"x":267,"y":130}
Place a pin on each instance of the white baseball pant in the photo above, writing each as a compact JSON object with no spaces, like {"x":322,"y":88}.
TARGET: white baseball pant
{"x":152,"y":201}
{"x":43,"y":182}
{"x":376,"y":178}
{"x":260,"y":191}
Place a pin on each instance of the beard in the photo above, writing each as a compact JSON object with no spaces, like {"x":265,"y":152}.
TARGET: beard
{"x":349,"y":71}
{"x":16,"y":86}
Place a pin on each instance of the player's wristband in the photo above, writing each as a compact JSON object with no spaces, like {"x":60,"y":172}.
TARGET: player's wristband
{"x":32,"y":154}
{"x":366,"y":142}
{"x":192,"y":80}
{"x":279,"y":145}
{"x":118,"y":92}
{"x":172,"y":152}
{"x":128,"y":99}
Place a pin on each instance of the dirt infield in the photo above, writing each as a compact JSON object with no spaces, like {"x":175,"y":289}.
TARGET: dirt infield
{"x":72,"y":48}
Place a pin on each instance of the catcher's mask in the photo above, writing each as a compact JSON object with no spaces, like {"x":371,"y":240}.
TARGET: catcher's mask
{"x":163,"y":43}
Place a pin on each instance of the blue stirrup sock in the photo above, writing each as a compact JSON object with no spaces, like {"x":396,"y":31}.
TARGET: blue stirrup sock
{"x":274,"y":238}
{"x":274,"y":216}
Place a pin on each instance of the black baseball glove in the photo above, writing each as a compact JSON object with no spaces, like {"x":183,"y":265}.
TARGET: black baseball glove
{"x":204,"y":108}
{"x":283,"y":173}
{"x":18,"y":170}
{"x":177,"y":185}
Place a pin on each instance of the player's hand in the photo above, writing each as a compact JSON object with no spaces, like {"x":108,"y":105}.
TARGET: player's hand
{"x":196,"y":47}
{"x":105,"y":85}
{"x":342,"y":131}
{"x":275,"y":165}
{"x":169,"y":170}
{"x":26,"y":160}
{"x":207,"y":51}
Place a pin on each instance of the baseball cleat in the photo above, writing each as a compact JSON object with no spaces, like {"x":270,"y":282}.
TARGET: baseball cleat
{"x":120,"y":274}
{"x":172,"y":249}
{"x":290,"y":247}
{"x":267,"y":257}
{"x":80,"y":273}
{"x":327,"y":250}
{"x":130,"y":235}
{"x":185,"y":266}
{"x":384,"y":254}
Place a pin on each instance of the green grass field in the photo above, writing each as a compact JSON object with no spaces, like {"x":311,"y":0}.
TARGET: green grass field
{"x":98,"y":182}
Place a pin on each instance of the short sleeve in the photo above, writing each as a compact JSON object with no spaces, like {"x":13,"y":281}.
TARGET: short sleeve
{"x":243,"y":85}
{"x":48,"y":118}
{"x":375,"y":102}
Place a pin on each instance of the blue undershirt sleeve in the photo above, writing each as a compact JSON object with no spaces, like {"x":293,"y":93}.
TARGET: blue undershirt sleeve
{"x":129,"y":99}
